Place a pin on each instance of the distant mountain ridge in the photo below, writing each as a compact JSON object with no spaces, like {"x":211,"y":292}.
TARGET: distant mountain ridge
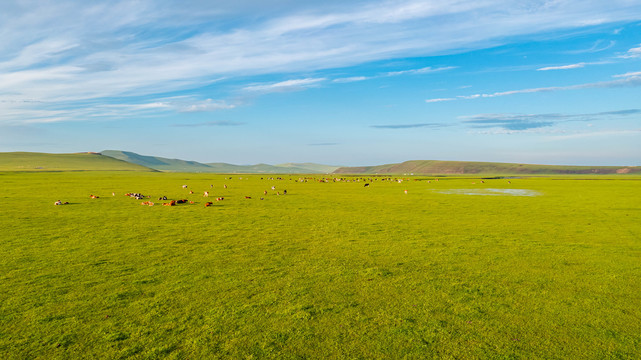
{"x":177,"y":165}
{"x":115,"y":160}
{"x":436,"y":167}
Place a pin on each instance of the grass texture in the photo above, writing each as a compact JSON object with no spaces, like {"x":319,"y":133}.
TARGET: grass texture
{"x":542,"y":268}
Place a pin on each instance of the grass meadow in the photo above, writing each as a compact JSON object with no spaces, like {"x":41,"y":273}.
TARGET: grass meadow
{"x":332,"y":270}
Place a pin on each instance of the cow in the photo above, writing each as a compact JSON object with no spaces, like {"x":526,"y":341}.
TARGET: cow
{"x":248,"y":197}
{"x":182,"y":201}
{"x":366,"y":185}
{"x":207,"y":204}
{"x":206,"y":194}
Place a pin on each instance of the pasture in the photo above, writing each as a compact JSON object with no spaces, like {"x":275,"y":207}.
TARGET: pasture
{"x":455,"y":268}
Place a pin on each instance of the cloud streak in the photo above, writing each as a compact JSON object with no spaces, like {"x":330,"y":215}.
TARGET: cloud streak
{"x":410,"y":126}
{"x":211,"y":123}
{"x":562,"y":67}
{"x":524,"y":122}
{"x":626,"y":80}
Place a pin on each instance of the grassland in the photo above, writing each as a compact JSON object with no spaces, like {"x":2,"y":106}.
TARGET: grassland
{"x":331,"y":270}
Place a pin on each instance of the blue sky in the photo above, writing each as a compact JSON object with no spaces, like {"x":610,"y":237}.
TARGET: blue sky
{"x":333,"y":82}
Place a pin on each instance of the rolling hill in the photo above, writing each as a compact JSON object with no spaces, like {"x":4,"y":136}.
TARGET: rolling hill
{"x":177,"y":165}
{"x":31,"y":161}
{"x":435,"y":167}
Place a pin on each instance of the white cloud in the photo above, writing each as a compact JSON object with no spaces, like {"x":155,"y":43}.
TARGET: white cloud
{"x":288,"y":85}
{"x":632,"y":53}
{"x":424,"y":70}
{"x":628,"y":80}
{"x":351,"y":79}
{"x":439,"y":100}
{"x":562,"y":67}
{"x":629,"y":74}
{"x":603,"y":133}
{"x":70,"y":51}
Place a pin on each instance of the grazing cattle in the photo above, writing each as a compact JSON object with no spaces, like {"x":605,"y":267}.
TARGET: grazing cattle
{"x":406,"y":191}
{"x":206,"y":194}
{"x":93,"y":196}
{"x":207,"y":204}
{"x":273,"y":187}
{"x":58,"y":202}
{"x":248,"y":197}
{"x":191,"y":192}
{"x":220,"y":199}
{"x":113,"y":194}
{"x":366,"y":185}
{"x":265,"y":192}
{"x":184,"y":186}
{"x":191,"y":202}
{"x":182,"y":201}
{"x":171,"y":203}
{"x":284,"y":192}
{"x":225,"y":186}
{"x":147,"y":203}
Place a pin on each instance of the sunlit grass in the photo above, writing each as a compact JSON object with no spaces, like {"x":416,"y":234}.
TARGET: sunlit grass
{"x":330,"y":270}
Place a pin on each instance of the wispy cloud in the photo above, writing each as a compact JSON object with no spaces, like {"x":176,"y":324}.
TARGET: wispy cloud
{"x":627,"y":80}
{"x":629,"y":74}
{"x":523,"y":122}
{"x":410,"y":126}
{"x":562,"y":67}
{"x":424,"y":70}
{"x":635,"y":52}
{"x":598,"y":46}
{"x":211,"y":123}
{"x":60,"y":52}
{"x":351,"y":79}
{"x":604,"y":133}
{"x":324,"y":144}
{"x":288,"y":85}
{"x":439,"y":100}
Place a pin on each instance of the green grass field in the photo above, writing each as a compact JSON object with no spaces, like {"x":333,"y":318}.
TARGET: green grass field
{"x":331,"y":270}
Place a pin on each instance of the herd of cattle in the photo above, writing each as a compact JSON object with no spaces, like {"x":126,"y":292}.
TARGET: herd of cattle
{"x":167,"y":202}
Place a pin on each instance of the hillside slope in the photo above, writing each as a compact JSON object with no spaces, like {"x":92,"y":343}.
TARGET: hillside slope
{"x":158,"y":163}
{"x":435,"y":167}
{"x":177,"y":165}
{"x":31,"y":161}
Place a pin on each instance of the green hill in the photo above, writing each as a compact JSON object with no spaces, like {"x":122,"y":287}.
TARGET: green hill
{"x":435,"y":167}
{"x":30,"y":161}
{"x":310,"y":167}
{"x":158,"y":163}
{"x":177,"y":165}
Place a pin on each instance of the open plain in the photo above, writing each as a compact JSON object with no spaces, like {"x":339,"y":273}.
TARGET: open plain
{"x":407,"y":267}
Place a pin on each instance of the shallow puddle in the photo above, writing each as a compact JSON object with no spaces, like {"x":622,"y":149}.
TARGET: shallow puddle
{"x":491,"y":192}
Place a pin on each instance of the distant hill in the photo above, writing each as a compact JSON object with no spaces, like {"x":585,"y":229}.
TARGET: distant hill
{"x":31,"y":161}
{"x":325,"y":169}
{"x":158,"y":163}
{"x":435,"y":167}
{"x":177,"y":165}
